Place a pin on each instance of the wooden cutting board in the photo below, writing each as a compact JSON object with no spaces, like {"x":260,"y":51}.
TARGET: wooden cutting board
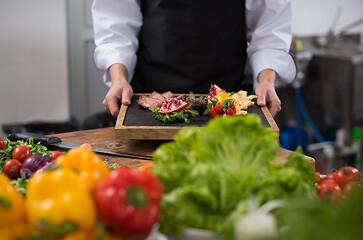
{"x":105,"y":138}
{"x":135,"y":122}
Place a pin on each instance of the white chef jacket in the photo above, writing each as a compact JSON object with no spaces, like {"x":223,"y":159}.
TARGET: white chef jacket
{"x":268,"y":26}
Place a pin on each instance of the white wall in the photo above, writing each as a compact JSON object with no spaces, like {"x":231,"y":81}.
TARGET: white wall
{"x":315,"y":17}
{"x":33,"y":61}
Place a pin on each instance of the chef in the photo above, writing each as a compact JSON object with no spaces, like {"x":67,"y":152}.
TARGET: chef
{"x":187,"y":45}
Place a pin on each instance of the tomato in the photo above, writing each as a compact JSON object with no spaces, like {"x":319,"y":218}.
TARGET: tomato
{"x":346,"y":174}
{"x":55,"y":155}
{"x":213,"y":111}
{"x":350,"y":186}
{"x":146,"y":167}
{"x":219,"y":108}
{"x":233,"y":108}
{"x":86,"y":146}
{"x":1,"y":144}
{"x":330,"y":176}
{"x":230,"y":111}
{"x":329,"y":189}
{"x":21,"y":153}
{"x":12,"y":168}
{"x":319,"y":177}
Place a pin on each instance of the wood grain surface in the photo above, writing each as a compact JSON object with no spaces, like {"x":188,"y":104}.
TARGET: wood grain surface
{"x":105,"y":138}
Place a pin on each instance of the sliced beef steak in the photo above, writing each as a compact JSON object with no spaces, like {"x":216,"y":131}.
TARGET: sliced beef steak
{"x":149,"y":102}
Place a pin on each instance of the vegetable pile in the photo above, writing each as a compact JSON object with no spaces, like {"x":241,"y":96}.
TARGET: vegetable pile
{"x":336,"y":185}
{"x":221,"y":177}
{"x":78,"y":197}
{"x":22,"y":158}
{"x":208,"y":174}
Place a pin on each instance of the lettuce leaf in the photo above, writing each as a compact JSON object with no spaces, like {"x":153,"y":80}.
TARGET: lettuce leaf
{"x":209,"y":172}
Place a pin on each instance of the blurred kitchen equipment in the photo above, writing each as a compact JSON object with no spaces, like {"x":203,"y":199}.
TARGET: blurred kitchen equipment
{"x":329,"y":156}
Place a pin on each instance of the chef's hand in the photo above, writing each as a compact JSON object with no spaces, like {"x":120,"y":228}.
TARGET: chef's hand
{"x":120,"y":90}
{"x":265,"y":91}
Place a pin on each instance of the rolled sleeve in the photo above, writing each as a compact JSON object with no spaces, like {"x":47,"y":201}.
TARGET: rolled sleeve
{"x":278,"y":60}
{"x":116,"y":27}
{"x":269,"y":35}
{"x":108,"y":54}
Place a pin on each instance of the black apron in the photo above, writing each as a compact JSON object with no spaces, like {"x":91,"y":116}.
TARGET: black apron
{"x":187,"y":45}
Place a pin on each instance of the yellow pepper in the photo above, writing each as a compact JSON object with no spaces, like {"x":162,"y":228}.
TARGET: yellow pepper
{"x":223,"y":97}
{"x":13,"y":221}
{"x":88,"y":164}
{"x":58,"y":203}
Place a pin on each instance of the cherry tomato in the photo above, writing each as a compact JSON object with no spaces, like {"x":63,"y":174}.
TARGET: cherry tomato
{"x":12,"y":168}
{"x":329,"y":189}
{"x":346,"y":174}
{"x":1,"y":144}
{"x":86,"y":146}
{"x":350,"y":186}
{"x":55,"y":155}
{"x":230,"y":111}
{"x":233,"y":108}
{"x":330,"y":176}
{"x":213,"y":111}
{"x":219,"y":108}
{"x":146,"y":167}
{"x":21,"y":153}
{"x":319,"y":177}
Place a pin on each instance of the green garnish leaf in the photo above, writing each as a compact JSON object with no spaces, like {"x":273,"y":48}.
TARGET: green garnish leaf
{"x":182,"y":116}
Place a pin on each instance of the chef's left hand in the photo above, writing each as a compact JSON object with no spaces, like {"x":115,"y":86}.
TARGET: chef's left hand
{"x":266,"y":93}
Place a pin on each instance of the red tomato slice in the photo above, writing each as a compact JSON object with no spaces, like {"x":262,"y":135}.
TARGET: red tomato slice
{"x":219,"y":108}
{"x":213,"y":111}
{"x":233,"y":108}
{"x":230,"y":111}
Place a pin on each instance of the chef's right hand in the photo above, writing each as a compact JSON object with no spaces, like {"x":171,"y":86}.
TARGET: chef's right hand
{"x":120,"y":90}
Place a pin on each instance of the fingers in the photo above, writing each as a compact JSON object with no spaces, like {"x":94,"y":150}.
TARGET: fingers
{"x":111,"y":104}
{"x":274,"y":107}
{"x":126,"y":96}
{"x":261,"y":97}
{"x":117,"y":93}
{"x":266,"y":96}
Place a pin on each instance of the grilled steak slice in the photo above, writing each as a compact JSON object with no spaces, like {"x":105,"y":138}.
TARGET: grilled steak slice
{"x":168,"y":95}
{"x":194,"y":103}
{"x":199,"y":104}
{"x":149,"y":102}
{"x":156,"y":100}
{"x":158,"y":96}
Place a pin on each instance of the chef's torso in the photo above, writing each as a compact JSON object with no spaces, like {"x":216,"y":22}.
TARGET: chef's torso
{"x":185,"y":45}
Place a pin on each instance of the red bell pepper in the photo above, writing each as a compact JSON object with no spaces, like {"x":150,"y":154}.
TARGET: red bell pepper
{"x":128,"y":201}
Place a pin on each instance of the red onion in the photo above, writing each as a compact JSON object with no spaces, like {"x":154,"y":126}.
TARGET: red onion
{"x":33,"y":164}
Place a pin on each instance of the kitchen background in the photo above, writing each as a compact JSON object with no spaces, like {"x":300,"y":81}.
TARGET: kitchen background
{"x":49,"y":81}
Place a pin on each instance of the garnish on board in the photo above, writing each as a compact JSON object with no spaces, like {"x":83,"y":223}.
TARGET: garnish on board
{"x":168,"y":108}
{"x":182,"y":116}
{"x":222,"y":103}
